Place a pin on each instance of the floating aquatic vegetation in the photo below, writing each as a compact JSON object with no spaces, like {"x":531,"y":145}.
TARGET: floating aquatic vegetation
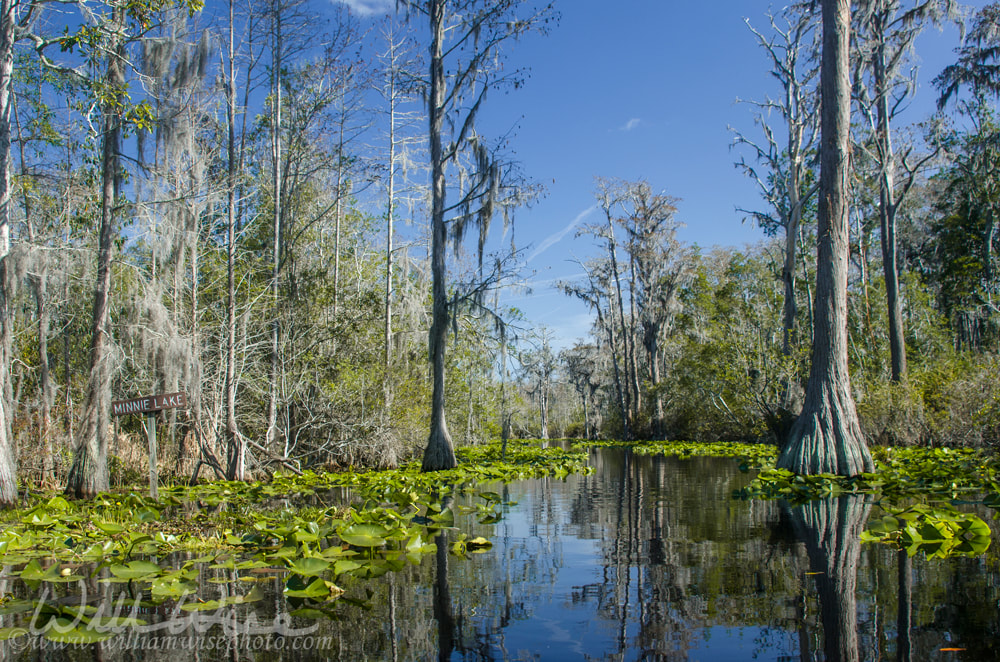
{"x":751,"y":455}
{"x":937,"y":531}
{"x":293,"y":527}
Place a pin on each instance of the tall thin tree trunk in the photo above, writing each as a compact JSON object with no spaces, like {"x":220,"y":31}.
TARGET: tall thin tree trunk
{"x":619,"y":389}
{"x":827,"y":437}
{"x":8,"y":468}
{"x":40,"y":287}
{"x":236,"y":449}
{"x":790,"y":308}
{"x":390,"y":212}
{"x":339,"y":215}
{"x":887,"y":219}
{"x":654,"y":378}
{"x":439,"y":454}
{"x":272,"y":396}
{"x":627,"y":357}
{"x":633,"y":343}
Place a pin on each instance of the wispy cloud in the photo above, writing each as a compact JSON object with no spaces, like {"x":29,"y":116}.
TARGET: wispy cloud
{"x":631,"y":124}
{"x":369,"y":7}
{"x":556,"y":237}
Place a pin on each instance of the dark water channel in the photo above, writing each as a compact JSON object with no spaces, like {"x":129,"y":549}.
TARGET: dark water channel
{"x":649,"y":558}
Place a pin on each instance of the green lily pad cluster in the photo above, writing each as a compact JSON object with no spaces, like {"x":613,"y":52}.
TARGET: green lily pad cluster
{"x":937,"y":531}
{"x":940,"y":473}
{"x":750,"y":455}
{"x":311,"y":530}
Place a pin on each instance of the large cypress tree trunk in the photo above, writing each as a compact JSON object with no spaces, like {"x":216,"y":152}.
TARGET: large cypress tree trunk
{"x":827,"y":438}
{"x":88,"y":475}
{"x":831,"y":530}
{"x":440,"y":453}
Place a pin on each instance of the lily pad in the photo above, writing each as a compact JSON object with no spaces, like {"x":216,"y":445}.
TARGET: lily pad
{"x":364,"y":535}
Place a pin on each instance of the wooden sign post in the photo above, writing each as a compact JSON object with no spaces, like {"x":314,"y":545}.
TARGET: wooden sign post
{"x":150,"y":405}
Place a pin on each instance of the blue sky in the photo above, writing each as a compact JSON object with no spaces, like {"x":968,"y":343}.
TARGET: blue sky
{"x":640,"y":89}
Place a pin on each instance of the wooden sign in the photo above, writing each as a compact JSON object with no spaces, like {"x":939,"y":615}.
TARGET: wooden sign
{"x":149,"y":403}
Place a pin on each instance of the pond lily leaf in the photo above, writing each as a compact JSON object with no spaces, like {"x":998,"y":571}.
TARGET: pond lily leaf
{"x":16,"y":606}
{"x":144,"y":515}
{"x":319,"y":589}
{"x":39,"y":520}
{"x":58,"y":503}
{"x":135,"y":570}
{"x":254,"y":595}
{"x":173,"y":588}
{"x":110,"y":528}
{"x":345,"y":565}
{"x":11,"y":633}
{"x":309,"y":567}
{"x":70,"y":631}
{"x":364,"y":535}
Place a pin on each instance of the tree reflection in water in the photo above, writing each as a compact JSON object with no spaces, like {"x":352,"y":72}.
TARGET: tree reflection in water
{"x":831,"y":531}
{"x":442,"y":599}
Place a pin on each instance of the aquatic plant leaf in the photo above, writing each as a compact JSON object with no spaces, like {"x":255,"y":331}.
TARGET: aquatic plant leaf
{"x":173,"y":588}
{"x":58,"y":503}
{"x":364,"y":534}
{"x":254,"y":595}
{"x":11,"y":633}
{"x":345,"y":565}
{"x":135,"y":570}
{"x":110,"y":528}
{"x":70,"y":631}
{"x":318,"y":589}
{"x":309,"y":567}
{"x":144,"y":515}
{"x":16,"y":606}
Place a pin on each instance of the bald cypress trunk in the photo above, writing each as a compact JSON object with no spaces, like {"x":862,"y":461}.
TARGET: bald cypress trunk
{"x":88,"y":475}
{"x":440,"y":453}
{"x":827,"y":437}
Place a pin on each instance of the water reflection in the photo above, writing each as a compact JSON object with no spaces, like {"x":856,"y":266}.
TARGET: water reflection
{"x":831,"y":530}
{"x":647,"y":559}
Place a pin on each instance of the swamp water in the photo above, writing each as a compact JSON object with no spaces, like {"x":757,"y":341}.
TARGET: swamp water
{"x":649,"y":558}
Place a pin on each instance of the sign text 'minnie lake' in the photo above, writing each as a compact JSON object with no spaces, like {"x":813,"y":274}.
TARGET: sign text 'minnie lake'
{"x":148,"y":404}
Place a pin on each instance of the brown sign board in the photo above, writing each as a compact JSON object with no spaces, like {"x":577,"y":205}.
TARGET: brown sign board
{"x":149,"y":403}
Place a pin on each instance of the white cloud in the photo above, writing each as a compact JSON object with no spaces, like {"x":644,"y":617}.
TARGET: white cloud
{"x":631,"y":124}
{"x":556,"y":237}
{"x":369,"y":7}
